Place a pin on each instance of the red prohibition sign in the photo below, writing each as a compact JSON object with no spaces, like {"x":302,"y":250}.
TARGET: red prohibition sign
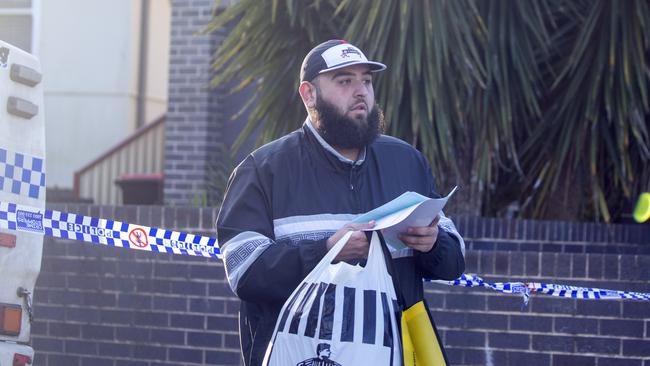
{"x":138,"y":237}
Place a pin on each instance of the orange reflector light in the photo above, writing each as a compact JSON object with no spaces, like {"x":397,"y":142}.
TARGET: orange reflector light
{"x":10,"y":318}
{"x":22,"y":360}
{"x":7,"y":240}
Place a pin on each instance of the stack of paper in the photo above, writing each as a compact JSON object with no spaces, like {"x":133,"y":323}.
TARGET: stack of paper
{"x":409,"y":209}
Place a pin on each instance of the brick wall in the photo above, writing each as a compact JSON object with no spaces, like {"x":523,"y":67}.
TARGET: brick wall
{"x":96,"y":305}
{"x":193,"y":116}
{"x":203,"y":121}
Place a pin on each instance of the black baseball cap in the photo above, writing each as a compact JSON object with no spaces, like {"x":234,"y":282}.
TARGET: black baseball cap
{"x":331,"y":55}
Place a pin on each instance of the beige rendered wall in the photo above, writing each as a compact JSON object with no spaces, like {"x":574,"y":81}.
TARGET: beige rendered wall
{"x":157,"y":68}
{"x":90,"y":54}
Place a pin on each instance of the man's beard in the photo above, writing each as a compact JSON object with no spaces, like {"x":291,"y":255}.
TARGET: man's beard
{"x":344,"y":132}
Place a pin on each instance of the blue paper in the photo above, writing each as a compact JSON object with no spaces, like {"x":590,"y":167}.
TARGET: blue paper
{"x":406,"y":199}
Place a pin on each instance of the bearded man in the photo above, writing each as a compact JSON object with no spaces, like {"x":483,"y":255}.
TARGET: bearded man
{"x":291,"y":200}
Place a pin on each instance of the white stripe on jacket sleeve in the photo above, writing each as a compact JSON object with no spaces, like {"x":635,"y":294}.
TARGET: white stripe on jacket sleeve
{"x":447,"y":225}
{"x":240,"y":252}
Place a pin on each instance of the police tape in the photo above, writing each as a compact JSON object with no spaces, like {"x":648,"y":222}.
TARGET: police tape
{"x":120,"y":234}
{"x":525,"y":289}
{"x":106,"y":232}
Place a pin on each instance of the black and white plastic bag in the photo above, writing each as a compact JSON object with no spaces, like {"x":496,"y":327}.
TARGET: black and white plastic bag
{"x":341,"y":314}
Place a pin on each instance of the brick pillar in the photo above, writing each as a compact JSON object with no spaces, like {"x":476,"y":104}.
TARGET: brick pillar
{"x":193,"y":119}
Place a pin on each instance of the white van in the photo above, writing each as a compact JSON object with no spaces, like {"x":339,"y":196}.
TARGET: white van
{"x":22,"y":182}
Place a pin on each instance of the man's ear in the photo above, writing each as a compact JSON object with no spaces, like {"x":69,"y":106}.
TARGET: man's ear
{"x":308,"y":93}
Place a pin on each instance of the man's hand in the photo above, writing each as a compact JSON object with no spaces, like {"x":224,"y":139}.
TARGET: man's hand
{"x":357,"y":246}
{"x":421,"y":238}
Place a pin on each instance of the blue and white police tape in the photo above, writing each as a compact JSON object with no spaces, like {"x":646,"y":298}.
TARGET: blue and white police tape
{"x":107,"y":232}
{"x":120,"y":234}
{"x":526,"y":288}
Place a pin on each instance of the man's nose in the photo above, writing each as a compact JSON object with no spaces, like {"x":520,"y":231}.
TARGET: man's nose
{"x":360,"y":88}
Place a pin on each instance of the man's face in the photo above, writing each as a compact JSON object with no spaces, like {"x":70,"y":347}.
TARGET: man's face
{"x":346,"y":115}
{"x":350,"y":90}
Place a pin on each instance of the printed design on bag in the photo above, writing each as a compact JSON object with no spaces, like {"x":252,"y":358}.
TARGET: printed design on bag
{"x":311,"y":312}
{"x":323,"y":353}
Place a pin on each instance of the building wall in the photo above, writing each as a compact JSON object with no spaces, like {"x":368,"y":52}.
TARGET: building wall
{"x":157,"y":66}
{"x":90,"y":53}
{"x":201,"y":123}
{"x":193,"y":120}
{"x":97,"y":305}
{"x":17,"y":24}
{"x":88,"y":66}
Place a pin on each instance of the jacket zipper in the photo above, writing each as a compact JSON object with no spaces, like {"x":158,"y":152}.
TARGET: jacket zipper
{"x":355,"y":193}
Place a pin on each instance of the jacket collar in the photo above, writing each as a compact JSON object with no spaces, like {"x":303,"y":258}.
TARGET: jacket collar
{"x":332,"y":150}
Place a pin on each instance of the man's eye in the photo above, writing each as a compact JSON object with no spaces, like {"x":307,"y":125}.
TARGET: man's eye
{"x":345,"y":81}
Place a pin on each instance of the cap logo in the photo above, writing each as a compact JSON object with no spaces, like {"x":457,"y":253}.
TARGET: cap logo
{"x":346,"y":52}
{"x":342,"y":53}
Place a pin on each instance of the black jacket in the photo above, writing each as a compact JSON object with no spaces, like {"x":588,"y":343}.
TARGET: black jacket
{"x":288,"y":197}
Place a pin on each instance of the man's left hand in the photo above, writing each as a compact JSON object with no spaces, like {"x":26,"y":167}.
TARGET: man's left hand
{"x":421,"y":238}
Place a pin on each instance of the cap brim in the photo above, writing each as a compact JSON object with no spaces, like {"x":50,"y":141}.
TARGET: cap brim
{"x":374,"y":66}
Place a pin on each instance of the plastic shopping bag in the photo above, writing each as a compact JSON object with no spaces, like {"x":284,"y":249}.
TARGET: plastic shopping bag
{"x":341,"y":314}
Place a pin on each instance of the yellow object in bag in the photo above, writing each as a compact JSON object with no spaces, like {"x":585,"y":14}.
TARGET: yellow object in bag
{"x":419,"y":339}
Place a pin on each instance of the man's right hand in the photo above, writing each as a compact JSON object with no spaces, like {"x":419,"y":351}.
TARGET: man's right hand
{"x":357,"y":246}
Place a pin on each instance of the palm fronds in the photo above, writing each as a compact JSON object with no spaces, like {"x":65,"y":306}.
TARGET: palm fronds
{"x":514,"y":101}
